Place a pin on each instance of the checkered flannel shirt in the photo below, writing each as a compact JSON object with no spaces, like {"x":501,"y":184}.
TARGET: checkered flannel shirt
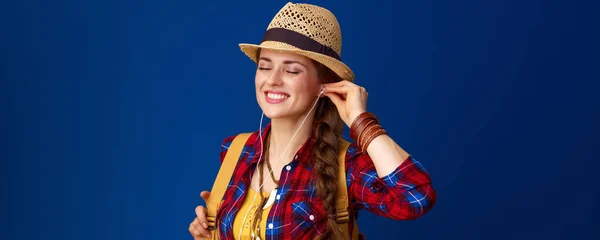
{"x":298,"y":212}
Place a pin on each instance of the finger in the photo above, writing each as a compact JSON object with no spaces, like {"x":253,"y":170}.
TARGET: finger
{"x":201,"y":212}
{"x":205,"y":195}
{"x":201,"y":231}
{"x":340,"y":83}
{"x":198,"y":230}
{"x":345,"y":88}
{"x":194,"y":229}
{"x":342,"y":90}
{"x":336,"y":99}
{"x":201,"y":215}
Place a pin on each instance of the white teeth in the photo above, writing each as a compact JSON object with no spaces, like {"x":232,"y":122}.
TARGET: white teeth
{"x":276,"y":96}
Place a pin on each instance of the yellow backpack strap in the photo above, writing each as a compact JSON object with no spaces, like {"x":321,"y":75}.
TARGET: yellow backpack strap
{"x":223,"y":178}
{"x":341,"y":203}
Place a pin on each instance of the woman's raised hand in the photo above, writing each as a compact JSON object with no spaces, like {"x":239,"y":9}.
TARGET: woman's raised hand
{"x":349,"y":99}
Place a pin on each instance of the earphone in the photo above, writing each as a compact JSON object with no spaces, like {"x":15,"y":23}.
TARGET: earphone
{"x":322,"y":90}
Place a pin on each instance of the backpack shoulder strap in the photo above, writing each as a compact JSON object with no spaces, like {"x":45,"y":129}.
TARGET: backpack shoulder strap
{"x":223,"y":178}
{"x":341,"y":203}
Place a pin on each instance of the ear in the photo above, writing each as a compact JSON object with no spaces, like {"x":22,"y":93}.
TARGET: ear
{"x":322,"y":91}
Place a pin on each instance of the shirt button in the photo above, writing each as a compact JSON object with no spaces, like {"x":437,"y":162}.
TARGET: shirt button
{"x":296,"y":157}
{"x":311,"y":217}
{"x":288,"y":167}
{"x":377,"y":186}
{"x":270,"y":226}
{"x":278,"y":196}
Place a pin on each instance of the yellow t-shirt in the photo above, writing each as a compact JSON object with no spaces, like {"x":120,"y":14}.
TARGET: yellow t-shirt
{"x":239,"y":217}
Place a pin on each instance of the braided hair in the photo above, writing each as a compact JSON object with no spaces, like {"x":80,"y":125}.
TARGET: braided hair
{"x":328,"y":127}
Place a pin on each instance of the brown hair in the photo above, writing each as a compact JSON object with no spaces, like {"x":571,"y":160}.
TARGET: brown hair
{"x":328,"y":127}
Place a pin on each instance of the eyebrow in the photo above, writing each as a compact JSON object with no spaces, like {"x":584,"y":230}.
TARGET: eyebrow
{"x":284,"y":62}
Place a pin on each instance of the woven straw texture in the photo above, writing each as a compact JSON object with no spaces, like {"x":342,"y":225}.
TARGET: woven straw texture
{"x":314,"y":22}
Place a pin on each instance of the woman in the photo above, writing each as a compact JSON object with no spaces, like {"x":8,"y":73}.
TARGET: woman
{"x":284,"y":184}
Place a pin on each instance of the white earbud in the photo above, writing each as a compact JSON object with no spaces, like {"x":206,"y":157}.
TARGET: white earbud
{"x":322,"y":90}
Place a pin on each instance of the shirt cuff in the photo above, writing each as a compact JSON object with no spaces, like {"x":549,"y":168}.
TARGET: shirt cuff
{"x":396,"y":177}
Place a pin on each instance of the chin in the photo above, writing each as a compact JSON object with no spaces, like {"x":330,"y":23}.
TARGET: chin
{"x":274,"y":114}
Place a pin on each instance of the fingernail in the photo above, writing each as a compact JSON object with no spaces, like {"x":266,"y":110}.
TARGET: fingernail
{"x":205,"y":225}
{"x":208,"y":236}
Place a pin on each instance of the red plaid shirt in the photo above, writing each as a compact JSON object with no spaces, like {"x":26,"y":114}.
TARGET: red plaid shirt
{"x":298,"y":212}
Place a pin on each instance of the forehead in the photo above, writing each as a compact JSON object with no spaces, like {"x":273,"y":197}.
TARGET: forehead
{"x":281,"y":56}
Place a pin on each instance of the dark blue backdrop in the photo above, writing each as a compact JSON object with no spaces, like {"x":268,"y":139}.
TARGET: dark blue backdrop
{"x":113,"y":111}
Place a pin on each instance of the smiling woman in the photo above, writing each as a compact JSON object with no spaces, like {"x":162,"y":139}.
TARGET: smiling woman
{"x":297,"y":178}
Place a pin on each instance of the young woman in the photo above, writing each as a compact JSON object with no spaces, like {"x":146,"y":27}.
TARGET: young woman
{"x":286,"y":180}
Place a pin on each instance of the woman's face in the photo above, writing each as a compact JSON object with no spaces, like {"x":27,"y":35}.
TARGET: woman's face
{"x":287,"y":84}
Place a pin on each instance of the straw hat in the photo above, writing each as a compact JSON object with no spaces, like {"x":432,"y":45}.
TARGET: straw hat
{"x":307,"y":30}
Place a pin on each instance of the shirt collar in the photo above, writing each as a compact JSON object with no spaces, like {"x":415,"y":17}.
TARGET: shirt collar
{"x":303,"y":153}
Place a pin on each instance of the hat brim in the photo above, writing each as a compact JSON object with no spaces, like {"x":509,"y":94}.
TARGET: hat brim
{"x":337,"y":66}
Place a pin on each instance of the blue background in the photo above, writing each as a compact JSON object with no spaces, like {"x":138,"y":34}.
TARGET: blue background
{"x":113,"y":111}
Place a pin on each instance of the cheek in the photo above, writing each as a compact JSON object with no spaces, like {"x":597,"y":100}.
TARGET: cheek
{"x":311,"y":87}
{"x":257,"y":81}
{"x":306,"y":92}
{"x":260,"y":77}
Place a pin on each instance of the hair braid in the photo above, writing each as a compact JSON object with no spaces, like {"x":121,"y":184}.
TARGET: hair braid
{"x":328,"y":130}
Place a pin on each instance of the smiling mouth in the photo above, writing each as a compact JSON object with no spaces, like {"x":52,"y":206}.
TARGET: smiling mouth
{"x":276,"y":97}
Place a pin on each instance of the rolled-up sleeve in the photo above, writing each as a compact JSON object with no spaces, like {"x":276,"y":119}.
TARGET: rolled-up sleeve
{"x":404,"y":194}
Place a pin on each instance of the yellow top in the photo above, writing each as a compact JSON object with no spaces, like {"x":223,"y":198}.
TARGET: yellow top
{"x":247,"y":223}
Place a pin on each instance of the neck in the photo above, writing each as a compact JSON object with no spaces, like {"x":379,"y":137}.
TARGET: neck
{"x":281,"y":133}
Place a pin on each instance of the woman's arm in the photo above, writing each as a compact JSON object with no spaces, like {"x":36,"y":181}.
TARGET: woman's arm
{"x":350,"y":101}
{"x":386,"y":179}
{"x":386,"y":154}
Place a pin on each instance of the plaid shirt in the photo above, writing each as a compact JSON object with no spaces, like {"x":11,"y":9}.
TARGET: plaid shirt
{"x":298,"y":212}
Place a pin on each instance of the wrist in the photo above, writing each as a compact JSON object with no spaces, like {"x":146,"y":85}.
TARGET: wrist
{"x":359,"y":122}
{"x":353,"y":117}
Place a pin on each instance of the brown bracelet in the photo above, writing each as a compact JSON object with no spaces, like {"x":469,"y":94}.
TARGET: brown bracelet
{"x":365,"y":134}
{"x":362,"y":127}
{"x":372,"y":137}
{"x":360,"y":120}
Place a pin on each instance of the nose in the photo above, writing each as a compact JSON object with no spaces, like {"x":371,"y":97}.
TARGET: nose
{"x":274,"y":78}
